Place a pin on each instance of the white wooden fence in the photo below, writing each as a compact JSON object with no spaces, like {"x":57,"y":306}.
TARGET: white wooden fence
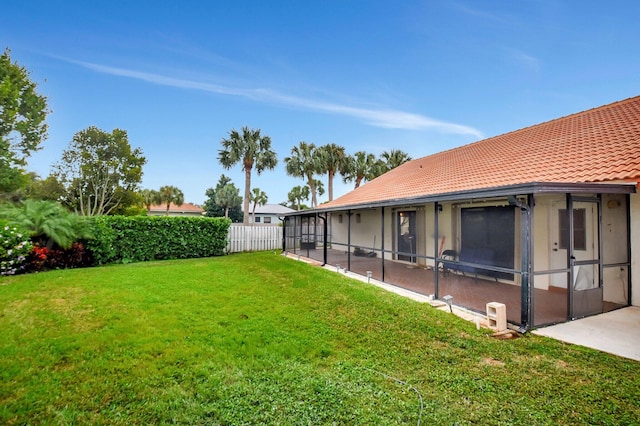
{"x":254,"y":238}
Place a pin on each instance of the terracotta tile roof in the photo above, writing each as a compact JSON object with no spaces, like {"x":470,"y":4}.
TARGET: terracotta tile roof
{"x":597,"y":145}
{"x":185,"y":207}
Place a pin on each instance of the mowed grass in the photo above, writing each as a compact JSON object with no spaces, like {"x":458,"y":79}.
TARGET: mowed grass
{"x":261,"y":339}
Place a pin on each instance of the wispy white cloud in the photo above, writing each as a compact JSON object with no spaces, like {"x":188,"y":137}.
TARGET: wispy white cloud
{"x":527,"y":61}
{"x":386,"y":118}
{"x":482,"y":14}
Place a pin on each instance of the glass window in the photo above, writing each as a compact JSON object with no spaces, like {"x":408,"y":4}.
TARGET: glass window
{"x":267,"y":219}
{"x":579,"y":229}
{"x":257,"y":219}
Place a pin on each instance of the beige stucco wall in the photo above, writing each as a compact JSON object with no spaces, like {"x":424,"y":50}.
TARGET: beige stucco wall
{"x":365,"y":231}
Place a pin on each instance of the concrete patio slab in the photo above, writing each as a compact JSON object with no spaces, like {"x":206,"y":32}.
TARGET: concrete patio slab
{"x":616,"y":332}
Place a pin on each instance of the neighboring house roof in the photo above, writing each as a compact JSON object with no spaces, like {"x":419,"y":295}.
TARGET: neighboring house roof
{"x":185,"y":208}
{"x":274,"y":209}
{"x":598,"y":145}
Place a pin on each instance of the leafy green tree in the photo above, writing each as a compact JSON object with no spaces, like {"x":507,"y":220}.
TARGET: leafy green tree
{"x":258,"y":198}
{"x":214,"y":210}
{"x":305,"y":163}
{"x":49,"y":189}
{"x":297,"y":195}
{"x":252,"y":150}
{"x":47,"y":221}
{"x":170,"y":194}
{"x":35,"y":188}
{"x":149,"y":198}
{"x":394,"y":158}
{"x":332,"y":160}
{"x":100,"y":171}
{"x":22,"y":122}
{"x":227,"y":197}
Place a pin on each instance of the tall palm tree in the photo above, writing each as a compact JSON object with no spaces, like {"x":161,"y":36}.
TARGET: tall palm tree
{"x":333,"y":159}
{"x":258,"y":198}
{"x":361,"y":166}
{"x":395,"y":158}
{"x":149,"y":198}
{"x":304,"y":163}
{"x":297,"y":194}
{"x":170,"y":194}
{"x":252,"y":150}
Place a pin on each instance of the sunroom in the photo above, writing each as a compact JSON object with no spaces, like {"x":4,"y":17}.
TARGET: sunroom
{"x":551,"y":252}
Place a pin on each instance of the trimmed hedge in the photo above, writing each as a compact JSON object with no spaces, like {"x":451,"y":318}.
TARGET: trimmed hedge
{"x":124,"y":239}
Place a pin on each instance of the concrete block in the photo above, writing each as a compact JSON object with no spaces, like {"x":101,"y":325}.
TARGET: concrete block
{"x":497,"y":316}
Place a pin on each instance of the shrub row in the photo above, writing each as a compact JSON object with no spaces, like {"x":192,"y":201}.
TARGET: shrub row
{"x":116,"y":239}
{"x":124,"y":239}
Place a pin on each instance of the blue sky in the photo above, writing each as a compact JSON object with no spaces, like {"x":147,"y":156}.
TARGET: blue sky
{"x":421,"y":76}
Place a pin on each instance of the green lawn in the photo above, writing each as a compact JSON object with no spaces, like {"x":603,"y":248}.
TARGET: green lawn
{"x":262,"y":339}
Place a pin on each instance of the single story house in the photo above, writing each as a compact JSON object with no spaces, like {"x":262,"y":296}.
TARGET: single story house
{"x":185,"y":209}
{"x":269,"y":214}
{"x":544,"y":219}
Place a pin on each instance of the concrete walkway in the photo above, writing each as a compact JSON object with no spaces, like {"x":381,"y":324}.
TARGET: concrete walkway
{"x":616,"y":332}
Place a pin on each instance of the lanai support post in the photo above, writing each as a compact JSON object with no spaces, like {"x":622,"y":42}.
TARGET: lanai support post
{"x":324,"y":237}
{"x":526,"y":300}
{"x":436,"y":290}
{"x":349,"y":214}
{"x":284,"y":235}
{"x":382,"y":242}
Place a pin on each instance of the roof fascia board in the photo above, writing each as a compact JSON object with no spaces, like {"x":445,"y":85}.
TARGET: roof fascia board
{"x":502,"y":191}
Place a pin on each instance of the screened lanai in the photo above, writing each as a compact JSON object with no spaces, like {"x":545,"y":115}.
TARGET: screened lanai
{"x":517,"y":245}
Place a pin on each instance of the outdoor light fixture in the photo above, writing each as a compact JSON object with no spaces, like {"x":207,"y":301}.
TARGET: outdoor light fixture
{"x":369,"y":273}
{"x":448,"y":300}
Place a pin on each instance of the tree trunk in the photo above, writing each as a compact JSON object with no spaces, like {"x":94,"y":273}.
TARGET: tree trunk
{"x":247,"y":194}
{"x":331,"y":176}
{"x":312,"y":188}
